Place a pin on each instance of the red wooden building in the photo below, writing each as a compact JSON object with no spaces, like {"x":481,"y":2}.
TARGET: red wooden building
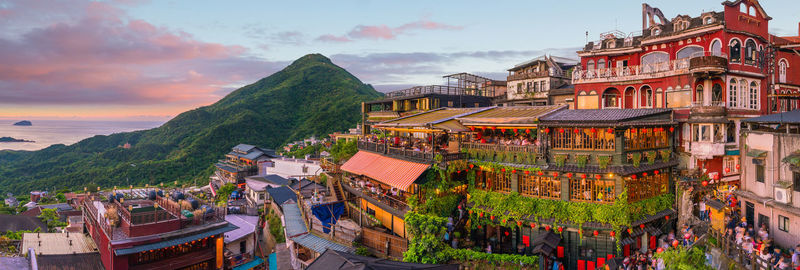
{"x":713,"y":70}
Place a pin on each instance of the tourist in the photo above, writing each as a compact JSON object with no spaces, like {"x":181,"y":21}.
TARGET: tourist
{"x":763,"y":233}
{"x":796,"y":256}
{"x":766,"y":258}
{"x":701,"y":207}
{"x":489,"y":248}
{"x":782,"y":264}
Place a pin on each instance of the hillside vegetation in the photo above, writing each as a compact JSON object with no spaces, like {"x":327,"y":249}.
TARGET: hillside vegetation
{"x":312,"y":96}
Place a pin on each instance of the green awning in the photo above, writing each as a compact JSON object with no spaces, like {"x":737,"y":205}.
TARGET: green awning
{"x":174,"y":242}
{"x":732,"y":152}
{"x":756,"y":153}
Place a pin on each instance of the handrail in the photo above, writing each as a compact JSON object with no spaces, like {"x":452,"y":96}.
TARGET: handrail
{"x":678,"y":66}
{"x":442,"y":89}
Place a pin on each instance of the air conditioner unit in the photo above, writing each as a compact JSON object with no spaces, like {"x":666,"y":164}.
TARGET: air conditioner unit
{"x":783,"y":195}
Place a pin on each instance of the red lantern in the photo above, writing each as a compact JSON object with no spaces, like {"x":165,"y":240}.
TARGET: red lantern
{"x":612,"y":233}
{"x":560,"y":130}
{"x":644,"y":174}
{"x":704,"y":183}
{"x":528,"y":131}
{"x":519,"y":223}
{"x":583,"y":176}
{"x":467,"y":170}
{"x":540,"y":173}
{"x":494,"y":128}
{"x":560,"y":229}
{"x":655,"y":172}
{"x":514,"y":171}
{"x":641,"y":226}
{"x":555,"y":174}
{"x":480,"y":227}
{"x":471,"y":165}
{"x":675,"y":243}
{"x":576,"y":131}
{"x":503,"y":130}
{"x":533,"y":225}
{"x":671,"y":129}
{"x":459,"y":207}
{"x":547,"y":228}
{"x":472,"y":128}
{"x":459,"y":171}
{"x":481,"y":214}
{"x":546,"y":130}
{"x":597,"y":176}
{"x":666,"y":217}
{"x":506,"y":233}
{"x":737,"y":166}
{"x":515,"y":130}
{"x":594,"y":130}
{"x":491,"y":217}
{"x":630,"y":231}
{"x":569,"y":175}
{"x":503,"y":169}
{"x":470,"y":212}
{"x":727,"y":170}
{"x":633,"y":176}
{"x":610,"y":130}
{"x":595,"y":233}
{"x":659,"y":250}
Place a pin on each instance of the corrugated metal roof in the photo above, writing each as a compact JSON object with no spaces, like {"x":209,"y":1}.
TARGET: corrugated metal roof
{"x":428,"y":118}
{"x":293,"y":219}
{"x":174,"y":242}
{"x":246,"y":225}
{"x":510,"y":115}
{"x":786,"y":117}
{"x":394,"y":172}
{"x":281,"y":194}
{"x":319,"y":244}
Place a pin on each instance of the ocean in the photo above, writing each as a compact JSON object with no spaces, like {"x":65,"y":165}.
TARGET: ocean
{"x":48,"y":132}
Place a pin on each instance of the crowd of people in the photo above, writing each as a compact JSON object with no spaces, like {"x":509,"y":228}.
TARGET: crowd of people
{"x":759,"y":244}
{"x":506,"y":139}
{"x":427,"y":144}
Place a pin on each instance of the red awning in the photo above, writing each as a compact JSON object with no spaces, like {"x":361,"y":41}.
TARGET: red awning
{"x":391,"y":171}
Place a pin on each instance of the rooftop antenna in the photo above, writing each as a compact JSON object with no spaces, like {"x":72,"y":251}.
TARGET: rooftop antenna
{"x":587,"y":36}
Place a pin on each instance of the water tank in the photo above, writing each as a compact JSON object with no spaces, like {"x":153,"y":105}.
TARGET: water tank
{"x":151,"y":195}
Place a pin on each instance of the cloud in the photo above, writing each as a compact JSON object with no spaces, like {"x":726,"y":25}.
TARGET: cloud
{"x":99,"y":55}
{"x":378,"y":32}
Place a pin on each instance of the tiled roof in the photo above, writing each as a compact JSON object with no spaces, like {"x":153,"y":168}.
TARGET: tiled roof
{"x":510,"y":115}
{"x":174,"y":242}
{"x":82,"y":261}
{"x":296,"y":231}
{"x":19,"y":222}
{"x":428,"y":118}
{"x":281,"y":194}
{"x":792,"y":117}
{"x":602,"y":115}
{"x":246,"y":225}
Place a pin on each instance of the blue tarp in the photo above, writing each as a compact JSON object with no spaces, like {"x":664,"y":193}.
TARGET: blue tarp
{"x":328,"y":214}
{"x":273,"y":261}
{"x":249,"y":265}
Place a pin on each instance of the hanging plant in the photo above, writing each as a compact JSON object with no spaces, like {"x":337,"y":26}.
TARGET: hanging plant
{"x":651,"y":157}
{"x":532,"y":158}
{"x":509,"y":157}
{"x":581,"y":160}
{"x":665,"y":154}
{"x":636,"y":158}
{"x":560,"y":159}
{"x":603,"y":161}
{"x":522,"y":158}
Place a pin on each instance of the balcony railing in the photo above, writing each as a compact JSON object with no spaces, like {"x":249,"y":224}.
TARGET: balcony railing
{"x":708,"y":150}
{"x":398,"y":203}
{"x":443,"y":90}
{"x":521,"y":154}
{"x":425,"y":156}
{"x":656,"y":70}
{"x":708,"y":62}
{"x":530,"y":75}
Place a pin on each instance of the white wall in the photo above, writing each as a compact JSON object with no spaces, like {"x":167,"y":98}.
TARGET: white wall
{"x":294,"y":168}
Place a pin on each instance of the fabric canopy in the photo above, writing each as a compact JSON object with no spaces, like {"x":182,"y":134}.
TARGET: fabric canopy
{"x":328,"y":214}
{"x":393,"y":172}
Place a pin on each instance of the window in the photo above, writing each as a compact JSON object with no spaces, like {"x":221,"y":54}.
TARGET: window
{"x":783,"y":223}
{"x":750,"y":52}
{"x":590,"y":65}
{"x":708,"y":20}
{"x":647,"y":97}
{"x":688,"y":51}
{"x":539,"y":186}
{"x":716,"y":95}
{"x":736,"y":51}
{"x":679,"y":98}
{"x":782,"y":65}
{"x":529,"y":87}
{"x":732,"y":93}
{"x":763,"y":220}
{"x":611,"y":98}
{"x":652,"y":61}
{"x":698,"y":94}
{"x":243,"y":247}
{"x":655,"y":32}
{"x":760,"y":173}
{"x":753,"y":96}
{"x":519,"y":88}
{"x":646,"y":186}
{"x":601,"y":64}
{"x":716,"y":48}
{"x":585,"y":190}
{"x":541,"y":86}
{"x":742,"y":93}
{"x":796,"y":181}
{"x":659,"y":98}
{"x":731,"y":164}
{"x":751,"y":11}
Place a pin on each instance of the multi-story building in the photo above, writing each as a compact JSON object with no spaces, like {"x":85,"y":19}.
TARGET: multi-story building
{"x":156,"y":234}
{"x":535,"y":81}
{"x":461,"y":90}
{"x":770,"y":189}
{"x":713,"y":70}
{"x":242,"y":161}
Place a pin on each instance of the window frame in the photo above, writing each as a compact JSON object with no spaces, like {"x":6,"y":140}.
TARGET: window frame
{"x":783,"y":223}
{"x":760,"y":172}
{"x":733,"y":93}
{"x":735,"y":51}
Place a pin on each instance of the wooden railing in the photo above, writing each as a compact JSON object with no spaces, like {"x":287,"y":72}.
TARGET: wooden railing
{"x":389,"y":245}
{"x":408,"y":154}
{"x":737,"y":254}
{"x":442,"y":90}
{"x":522,"y":154}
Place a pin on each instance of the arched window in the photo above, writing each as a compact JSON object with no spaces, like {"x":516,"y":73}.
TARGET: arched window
{"x":590,"y":65}
{"x":688,"y":51}
{"x":716,"y":48}
{"x":630,"y":98}
{"x":716,"y":95}
{"x":743,"y":8}
{"x":782,"y":66}
{"x":659,"y":98}
{"x":611,"y":98}
{"x":753,"y":95}
{"x":708,"y":20}
{"x":653,"y":61}
{"x":732,"y":93}
{"x":750,"y":52}
{"x":601,"y":64}
{"x":742,"y":93}
{"x":751,"y":11}
{"x":698,"y":94}
{"x":655,"y":32}
{"x":646,"y":97}
{"x":735,"y":51}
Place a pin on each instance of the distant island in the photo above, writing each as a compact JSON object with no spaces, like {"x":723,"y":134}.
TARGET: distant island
{"x":23,"y":123}
{"x":9,"y":139}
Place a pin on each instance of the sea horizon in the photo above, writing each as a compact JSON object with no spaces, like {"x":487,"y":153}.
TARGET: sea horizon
{"x":45,"y":133}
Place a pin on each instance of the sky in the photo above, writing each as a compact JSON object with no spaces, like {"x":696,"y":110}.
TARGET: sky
{"x":150,"y":60}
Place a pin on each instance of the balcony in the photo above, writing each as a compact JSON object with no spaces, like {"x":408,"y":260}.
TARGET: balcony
{"x":442,"y":90}
{"x":618,"y":74}
{"x":707,"y":150}
{"x":519,"y":154}
{"x":396,"y":205}
{"x":708,"y":63}
{"x":529,"y":75}
{"x":420,"y":156}
{"x":708,"y":112}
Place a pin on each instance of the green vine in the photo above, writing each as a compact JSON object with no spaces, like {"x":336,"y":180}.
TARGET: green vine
{"x":560,"y":159}
{"x":603,"y":161}
{"x":651,"y":157}
{"x":665,"y":154}
{"x":636,"y":158}
{"x":581,"y":160}
{"x":500,"y":168}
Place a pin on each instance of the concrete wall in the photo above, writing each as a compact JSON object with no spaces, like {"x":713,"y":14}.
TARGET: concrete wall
{"x":294,"y":168}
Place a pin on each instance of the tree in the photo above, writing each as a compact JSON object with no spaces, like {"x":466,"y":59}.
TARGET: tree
{"x":50,"y":217}
{"x":343,"y":150}
{"x":684,"y":259}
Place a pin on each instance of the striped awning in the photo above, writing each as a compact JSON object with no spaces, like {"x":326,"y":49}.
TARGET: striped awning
{"x":393,"y":172}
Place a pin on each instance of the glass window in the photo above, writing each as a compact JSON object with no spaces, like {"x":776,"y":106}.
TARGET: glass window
{"x":782,"y":65}
{"x":732,"y":93}
{"x":796,"y":181}
{"x":679,"y":98}
{"x":654,"y":58}
{"x":716,"y":48}
{"x":736,"y":51}
{"x":590,"y":65}
{"x":698,"y":94}
{"x":753,"y":96}
{"x":783,"y":223}
{"x":687,"y":52}
{"x":742,"y":93}
{"x":601,"y":64}
{"x":750,"y":52}
{"x":760,"y":173}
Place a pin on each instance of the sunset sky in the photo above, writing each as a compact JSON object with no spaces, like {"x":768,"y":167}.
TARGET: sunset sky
{"x":133,"y":59}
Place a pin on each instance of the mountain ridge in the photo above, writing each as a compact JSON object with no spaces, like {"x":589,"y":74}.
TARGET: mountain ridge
{"x":311,"y":96}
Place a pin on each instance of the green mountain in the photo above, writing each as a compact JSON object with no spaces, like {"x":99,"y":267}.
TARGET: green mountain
{"x":312,"y":96}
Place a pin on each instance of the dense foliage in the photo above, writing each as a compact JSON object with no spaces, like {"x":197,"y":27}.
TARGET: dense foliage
{"x":312,"y":96}
{"x":684,"y":259}
{"x":275,"y":227}
{"x":50,"y":217}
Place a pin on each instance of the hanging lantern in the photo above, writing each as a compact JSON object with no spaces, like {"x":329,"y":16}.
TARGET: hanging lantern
{"x":502,"y":130}
{"x":491,"y":217}
{"x":471,"y":165}
{"x":472,"y":128}
{"x":560,"y":229}
{"x":514,"y":171}
{"x":595,"y":233}
{"x":633,"y":130}
{"x":494,"y":128}
{"x":503,"y":169}
{"x":659,"y":250}
{"x":547,"y":228}
{"x":480,"y":227}
{"x":467,"y":170}
{"x":459,"y":207}
{"x":666,"y":217}
{"x":644,"y":174}
{"x":594,"y":130}
{"x":641,"y":226}
{"x":727,"y":170}
{"x":675,"y":243}
{"x":633,"y":177}
{"x":671,"y":129}
{"x":546,"y":130}
{"x":506,"y":233}
{"x":655,"y":172}
{"x":576,"y":131}
{"x":540,"y":173}
{"x":560,"y":130}
{"x":610,"y":130}
{"x":481,"y":214}
{"x":583,"y":176}
{"x":533,"y":225}
{"x":704,"y":183}
{"x":630,"y":231}
{"x":569,"y":175}
{"x":459,"y":171}
{"x":527,"y":172}
{"x":737,"y":167}
{"x":597,"y":177}
{"x":470,"y":212}
{"x":555,"y":174}
{"x":528,"y":131}
{"x":515,"y":131}
{"x":519,"y":223}
{"x":612,"y":233}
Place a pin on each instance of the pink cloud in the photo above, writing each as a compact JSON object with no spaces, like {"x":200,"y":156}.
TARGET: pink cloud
{"x":98,"y":55}
{"x":385,"y":32}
